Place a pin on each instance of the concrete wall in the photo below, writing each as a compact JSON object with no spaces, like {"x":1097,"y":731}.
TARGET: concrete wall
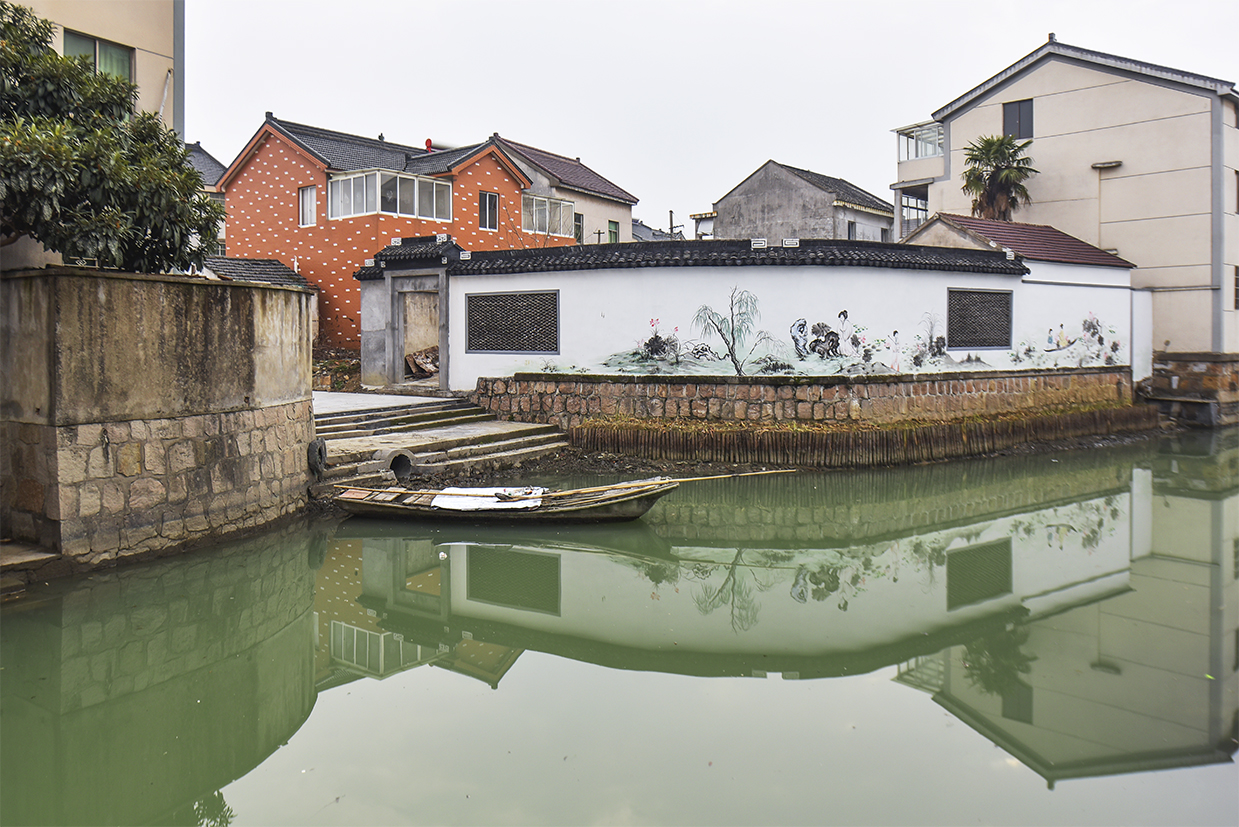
{"x":774,"y":204}
{"x":606,"y":318}
{"x":146,"y":411}
{"x":1163,"y":208}
{"x":146,"y":26}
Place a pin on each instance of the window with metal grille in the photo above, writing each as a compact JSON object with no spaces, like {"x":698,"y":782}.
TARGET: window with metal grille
{"x":978,"y":318}
{"x":978,"y":573}
{"x":512,"y":322}
{"x":518,"y":579}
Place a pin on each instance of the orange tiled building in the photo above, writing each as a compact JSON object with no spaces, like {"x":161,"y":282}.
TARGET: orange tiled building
{"x":324,"y":202}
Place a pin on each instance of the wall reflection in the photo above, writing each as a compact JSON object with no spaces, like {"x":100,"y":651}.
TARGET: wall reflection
{"x":1079,"y":609}
{"x":133,"y":696}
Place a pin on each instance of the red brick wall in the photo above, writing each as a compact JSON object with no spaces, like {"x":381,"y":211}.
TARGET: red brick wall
{"x":262,"y":223}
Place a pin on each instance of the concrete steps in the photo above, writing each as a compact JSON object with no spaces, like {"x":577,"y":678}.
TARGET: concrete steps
{"x":445,"y":436}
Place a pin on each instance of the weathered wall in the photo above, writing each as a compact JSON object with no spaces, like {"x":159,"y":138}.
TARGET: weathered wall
{"x":145,"y":411}
{"x":1197,"y":387}
{"x":566,"y":401}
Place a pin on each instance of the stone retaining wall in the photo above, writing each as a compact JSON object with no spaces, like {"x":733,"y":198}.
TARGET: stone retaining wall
{"x":1200,"y":388}
{"x":128,"y":488}
{"x":143,"y":412}
{"x":568,"y":400}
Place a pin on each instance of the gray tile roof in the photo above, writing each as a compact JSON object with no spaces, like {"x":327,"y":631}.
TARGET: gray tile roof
{"x":1039,"y":242}
{"x":343,"y":152}
{"x":732,"y":253}
{"x":264,"y":270}
{"x":208,"y":167}
{"x":842,"y":190}
{"x":427,"y":248}
{"x":569,"y":172}
{"x":1122,"y":64}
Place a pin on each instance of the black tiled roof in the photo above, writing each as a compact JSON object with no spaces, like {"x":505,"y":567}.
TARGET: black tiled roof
{"x":344,"y":152}
{"x":426,"y":248}
{"x":569,"y":171}
{"x":208,"y":167}
{"x":843,"y":190}
{"x":264,"y":270}
{"x":733,"y":253}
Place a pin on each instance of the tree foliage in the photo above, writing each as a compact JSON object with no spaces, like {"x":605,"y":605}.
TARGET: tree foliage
{"x":995,"y":169}
{"x":82,"y":174}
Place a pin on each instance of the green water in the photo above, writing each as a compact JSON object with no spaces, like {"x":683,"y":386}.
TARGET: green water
{"x":1043,"y":640}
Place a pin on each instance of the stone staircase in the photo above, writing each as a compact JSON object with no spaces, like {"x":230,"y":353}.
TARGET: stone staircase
{"x":434,"y":437}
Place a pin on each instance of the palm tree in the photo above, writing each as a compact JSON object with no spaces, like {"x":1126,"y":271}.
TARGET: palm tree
{"x":994,"y":175}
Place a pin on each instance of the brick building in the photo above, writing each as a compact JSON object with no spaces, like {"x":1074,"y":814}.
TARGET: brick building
{"x":324,"y":202}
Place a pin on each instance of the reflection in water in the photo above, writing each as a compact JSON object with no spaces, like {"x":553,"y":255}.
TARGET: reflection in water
{"x":1078,"y":610}
{"x":134,"y":696}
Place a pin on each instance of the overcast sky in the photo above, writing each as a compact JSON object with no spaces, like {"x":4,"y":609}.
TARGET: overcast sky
{"x":675,"y":101}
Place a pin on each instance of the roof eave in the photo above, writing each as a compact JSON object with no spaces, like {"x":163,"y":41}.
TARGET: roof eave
{"x":1063,"y":50}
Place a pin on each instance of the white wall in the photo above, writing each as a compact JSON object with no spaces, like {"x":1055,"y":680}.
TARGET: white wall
{"x":607,"y":315}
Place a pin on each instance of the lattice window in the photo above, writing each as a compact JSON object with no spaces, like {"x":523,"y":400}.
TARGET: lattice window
{"x":521,"y":580}
{"x":978,"y":573}
{"x":512,"y":322}
{"x":978,"y":318}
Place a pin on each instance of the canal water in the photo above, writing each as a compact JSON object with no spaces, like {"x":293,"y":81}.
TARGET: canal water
{"x":1036,"y":640}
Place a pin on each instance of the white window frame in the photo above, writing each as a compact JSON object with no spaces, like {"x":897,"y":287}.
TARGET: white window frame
{"x":307,"y":206}
{"x":440,"y":199}
{"x":492,"y":199}
{"x":537,"y":211}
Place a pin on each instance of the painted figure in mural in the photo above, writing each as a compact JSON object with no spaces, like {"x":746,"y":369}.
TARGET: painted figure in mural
{"x":800,"y":337}
{"x":895,"y":347}
{"x":1062,"y":337}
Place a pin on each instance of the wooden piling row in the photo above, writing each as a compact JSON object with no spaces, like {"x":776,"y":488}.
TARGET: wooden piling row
{"x":931,"y":442}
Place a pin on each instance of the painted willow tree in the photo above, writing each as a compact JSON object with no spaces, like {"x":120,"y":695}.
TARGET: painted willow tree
{"x":80,"y":172}
{"x":995,"y":169}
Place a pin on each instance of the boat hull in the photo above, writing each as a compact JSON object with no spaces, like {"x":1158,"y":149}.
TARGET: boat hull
{"x":611,"y":506}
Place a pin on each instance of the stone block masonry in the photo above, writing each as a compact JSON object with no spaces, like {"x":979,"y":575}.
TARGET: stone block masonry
{"x":566,"y":401}
{"x":138,"y":486}
{"x":144,"y":412}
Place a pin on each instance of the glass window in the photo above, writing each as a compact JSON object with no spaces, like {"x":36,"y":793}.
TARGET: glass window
{"x":307,"y":200}
{"x":443,"y":201}
{"x":1017,"y":119}
{"x":546,"y":215}
{"x":408,"y":196}
{"x":105,"y":57}
{"x":613,"y":232}
{"x":389,"y":186}
{"x":851,"y":231}
{"x":426,"y":200}
{"x":578,"y":228}
{"x":488,"y":210}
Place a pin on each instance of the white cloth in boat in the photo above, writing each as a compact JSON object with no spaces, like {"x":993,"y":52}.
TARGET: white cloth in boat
{"x":481,"y":499}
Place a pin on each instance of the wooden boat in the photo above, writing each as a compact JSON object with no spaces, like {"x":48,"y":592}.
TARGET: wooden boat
{"x":600,"y":504}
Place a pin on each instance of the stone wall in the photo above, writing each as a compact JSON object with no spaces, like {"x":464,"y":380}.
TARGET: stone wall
{"x":143,"y":412}
{"x":568,"y":400}
{"x":1200,"y":388}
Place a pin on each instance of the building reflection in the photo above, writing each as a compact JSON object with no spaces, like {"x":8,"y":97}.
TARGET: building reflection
{"x":1143,"y":680}
{"x":1079,"y":610}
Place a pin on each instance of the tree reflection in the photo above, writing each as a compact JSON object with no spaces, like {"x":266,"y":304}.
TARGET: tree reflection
{"x":735,"y":593}
{"x":995,"y":662}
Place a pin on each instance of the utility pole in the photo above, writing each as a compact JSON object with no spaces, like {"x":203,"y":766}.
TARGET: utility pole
{"x":599,"y":234}
{"x":671,"y":225}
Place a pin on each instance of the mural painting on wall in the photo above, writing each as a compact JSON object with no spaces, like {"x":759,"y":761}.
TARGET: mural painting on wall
{"x":730,"y":342}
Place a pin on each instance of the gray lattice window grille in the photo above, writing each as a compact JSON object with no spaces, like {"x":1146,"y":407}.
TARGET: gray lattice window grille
{"x":512,"y":322}
{"x":978,"y":318}
{"x":978,"y":573}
